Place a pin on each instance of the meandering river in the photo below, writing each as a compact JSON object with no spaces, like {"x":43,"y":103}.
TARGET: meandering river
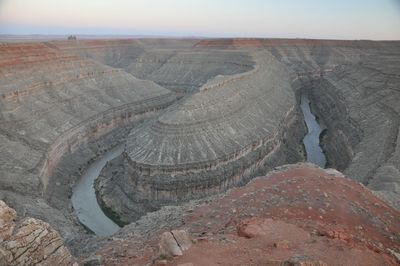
{"x":91,"y":215}
{"x":311,"y":140}
{"x":84,"y":197}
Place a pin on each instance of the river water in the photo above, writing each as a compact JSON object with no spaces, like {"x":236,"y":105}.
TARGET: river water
{"x":84,"y":198}
{"x":311,"y":140}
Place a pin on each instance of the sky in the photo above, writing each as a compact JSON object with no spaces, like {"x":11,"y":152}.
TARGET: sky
{"x":322,"y":19}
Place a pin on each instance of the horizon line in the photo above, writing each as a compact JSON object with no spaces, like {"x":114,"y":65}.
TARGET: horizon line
{"x":166,"y":36}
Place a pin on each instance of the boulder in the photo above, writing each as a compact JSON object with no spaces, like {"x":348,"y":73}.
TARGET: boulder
{"x":168,"y":246}
{"x":174,"y":243}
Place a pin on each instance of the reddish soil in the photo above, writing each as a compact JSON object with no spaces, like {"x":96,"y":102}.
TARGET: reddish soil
{"x":298,"y":214}
{"x":255,"y":43}
{"x":92,"y":44}
{"x":16,"y":55}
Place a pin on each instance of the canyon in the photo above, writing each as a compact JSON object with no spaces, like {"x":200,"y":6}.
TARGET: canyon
{"x":197,"y":118}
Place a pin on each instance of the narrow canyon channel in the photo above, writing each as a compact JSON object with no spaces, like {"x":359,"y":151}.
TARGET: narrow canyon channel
{"x":84,"y":197}
{"x":311,"y":140}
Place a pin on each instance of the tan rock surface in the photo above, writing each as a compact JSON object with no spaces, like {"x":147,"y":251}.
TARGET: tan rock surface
{"x":168,"y":246}
{"x":33,"y":242}
{"x":174,"y":243}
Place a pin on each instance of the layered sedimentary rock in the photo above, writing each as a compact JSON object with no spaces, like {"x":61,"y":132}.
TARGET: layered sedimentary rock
{"x":234,"y":127}
{"x":172,"y":64}
{"x":53,"y":106}
{"x":186,"y":71}
{"x":29,"y":242}
{"x":51,"y":102}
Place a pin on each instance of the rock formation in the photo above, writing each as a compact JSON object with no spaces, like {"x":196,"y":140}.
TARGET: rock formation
{"x":220,"y":137}
{"x":30,"y":242}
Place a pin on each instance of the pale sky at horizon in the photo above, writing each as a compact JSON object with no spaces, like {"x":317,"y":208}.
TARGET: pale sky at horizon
{"x":325,"y":19}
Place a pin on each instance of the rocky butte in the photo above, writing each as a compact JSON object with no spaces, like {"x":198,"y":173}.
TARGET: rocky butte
{"x":205,"y":126}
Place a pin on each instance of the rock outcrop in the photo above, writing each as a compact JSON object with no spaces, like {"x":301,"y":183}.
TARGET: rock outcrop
{"x":30,"y":242}
{"x":296,"y":215}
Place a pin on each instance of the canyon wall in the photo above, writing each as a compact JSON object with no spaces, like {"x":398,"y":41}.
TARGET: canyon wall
{"x":52,"y":102}
{"x":354,"y":90}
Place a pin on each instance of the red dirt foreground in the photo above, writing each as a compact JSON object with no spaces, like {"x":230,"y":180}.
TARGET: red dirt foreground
{"x":296,"y":215}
